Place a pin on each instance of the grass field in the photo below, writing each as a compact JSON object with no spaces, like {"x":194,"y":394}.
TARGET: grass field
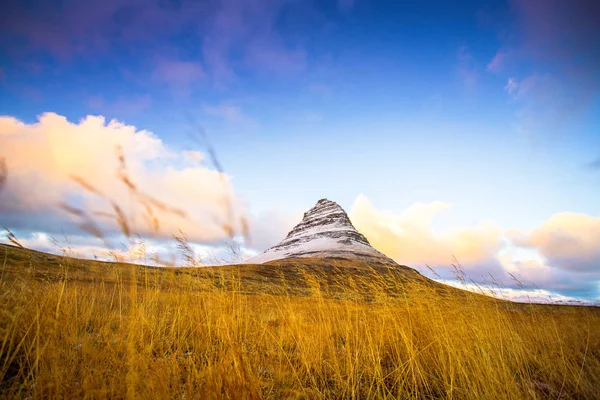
{"x":307,"y":329}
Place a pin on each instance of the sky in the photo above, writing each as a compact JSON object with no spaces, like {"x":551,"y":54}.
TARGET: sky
{"x":449,"y":131}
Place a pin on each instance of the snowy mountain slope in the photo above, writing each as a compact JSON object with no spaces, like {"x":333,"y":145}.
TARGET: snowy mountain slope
{"x":325,"y":231}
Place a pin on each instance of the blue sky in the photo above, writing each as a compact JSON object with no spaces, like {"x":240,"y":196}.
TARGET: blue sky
{"x":491,"y":107}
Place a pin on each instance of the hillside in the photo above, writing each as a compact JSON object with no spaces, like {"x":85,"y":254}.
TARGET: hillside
{"x":306,"y":328}
{"x":277,"y":276}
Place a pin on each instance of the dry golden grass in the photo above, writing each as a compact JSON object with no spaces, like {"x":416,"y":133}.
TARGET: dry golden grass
{"x":81,"y":329}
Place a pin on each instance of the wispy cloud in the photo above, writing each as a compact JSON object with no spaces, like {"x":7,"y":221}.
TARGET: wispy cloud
{"x":544,"y":102}
{"x":247,"y":29}
{"x":230,"y":113}
{"x":179,"y":72}
{"x":182,"y":77}
{"x":498,"y":63}
{"x":552,"y":48}
{"x":227,"y":111}
{"x":229,"y":36}
{"x":122,"y":106}
{"x":467,"y":70}
{"x":595,"y":164}
{"x":512,"y":87}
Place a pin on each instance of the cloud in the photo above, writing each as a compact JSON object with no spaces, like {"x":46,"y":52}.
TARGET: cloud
{"x":561,"y":32}
{"x":512,"y":87}
{"x":137,"y":250}
{"x":227,"y":36}
{"x":270,"y":227}
{"x":552,"y":51}
{"x":561,"y":255}
{"x":498,"y":62}
{"x":567,"y":240}
{"x":467,"y":70}
{"x":181,"y":77}
{"x":409,"y":238}
{"x":248,"y":30}
{"x":545,"y":102}
{"x":525,"y":294}
{"x":178,"y":72}
{"x":267,"y":52}
{"x":535,"y":272}
{"x":232,"y":114}
{"x":227,"y":111}
{"x":71,"y":28}
{"x":122,"y":106}
{"x":193,"y":157}
{"x":544,"y":297}
{"x":595,"y":164}
{"x":42,"y":158}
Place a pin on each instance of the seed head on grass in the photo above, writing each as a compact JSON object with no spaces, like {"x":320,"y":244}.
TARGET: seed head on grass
{"x":12,"y":238}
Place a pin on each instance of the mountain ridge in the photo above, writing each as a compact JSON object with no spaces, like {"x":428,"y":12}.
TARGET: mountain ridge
{"x":325,"y":231}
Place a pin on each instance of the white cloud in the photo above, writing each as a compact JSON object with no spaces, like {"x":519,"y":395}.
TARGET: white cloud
{"x":270,"y":227}
{"x":512,"y":86}
{"x":522,"y":295}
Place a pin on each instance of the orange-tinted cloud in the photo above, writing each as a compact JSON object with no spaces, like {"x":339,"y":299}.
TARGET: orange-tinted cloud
{"x":561,"y":255}
{"x":409,"y":238}
{"x":43,"y":157}
{"x":567,"y":240}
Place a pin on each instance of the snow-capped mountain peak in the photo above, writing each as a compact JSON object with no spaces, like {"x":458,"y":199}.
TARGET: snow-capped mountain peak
{"x":325,"y":231}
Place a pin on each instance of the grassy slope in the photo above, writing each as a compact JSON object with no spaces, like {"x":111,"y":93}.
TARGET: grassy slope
{"x":299,"y":329}
{"x":275,"y":277}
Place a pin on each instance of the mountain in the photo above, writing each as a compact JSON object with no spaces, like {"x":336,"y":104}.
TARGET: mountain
{"x":324,"y":232}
